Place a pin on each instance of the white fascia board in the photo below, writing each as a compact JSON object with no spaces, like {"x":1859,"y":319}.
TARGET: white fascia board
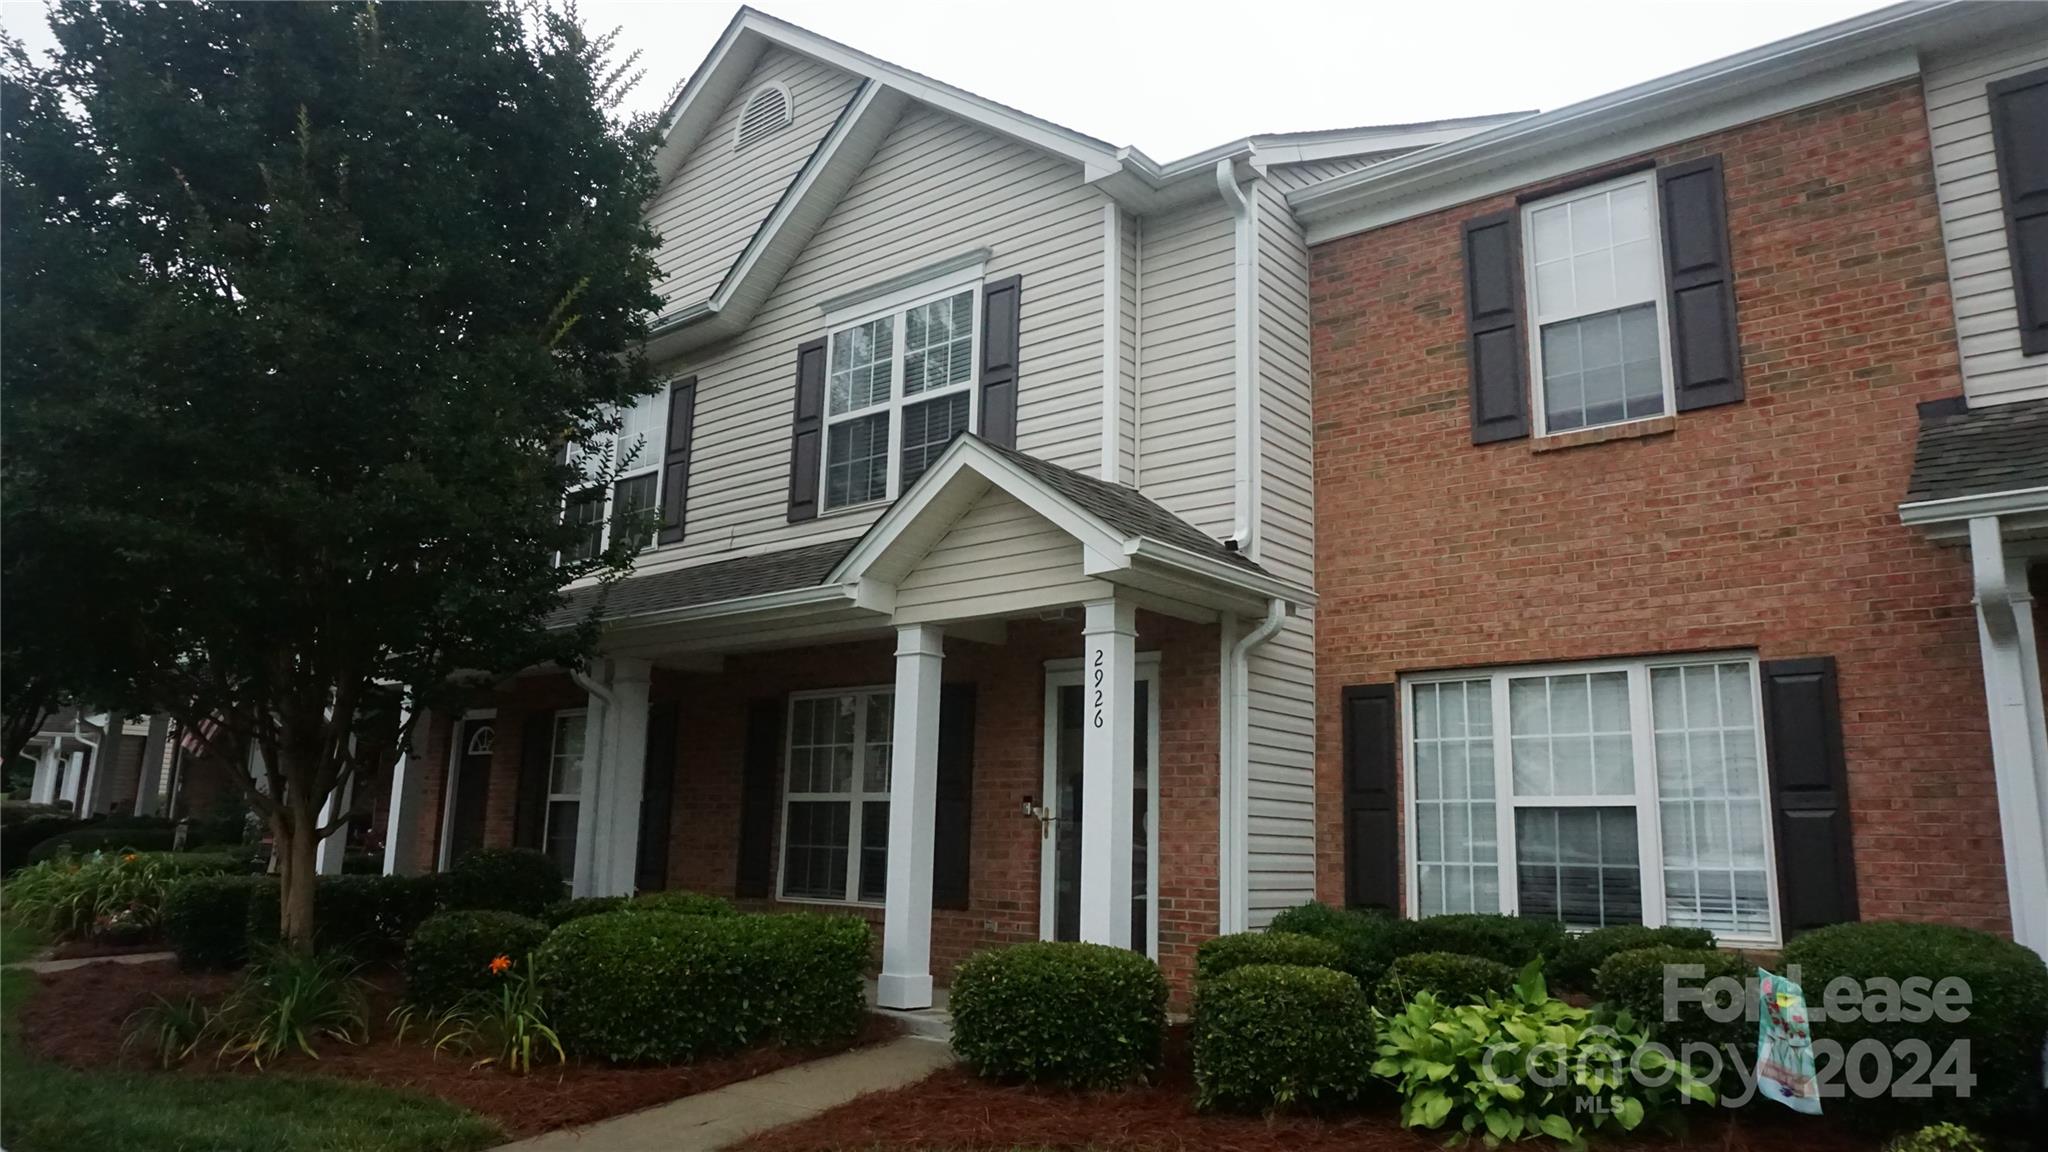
{"x":2013,"y":502}
{"x":1262,"y":584}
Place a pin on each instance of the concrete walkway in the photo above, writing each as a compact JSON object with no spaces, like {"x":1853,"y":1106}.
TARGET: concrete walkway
{"x":716,"y":1119}
{"x":83,"y":961}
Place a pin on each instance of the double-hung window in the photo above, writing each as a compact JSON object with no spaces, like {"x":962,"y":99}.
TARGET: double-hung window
{"x":632,"y":501}
{"x":1596,"y":303}
{"x":565,"y":790}
{"x":835,"y":819}
{"x":1616,"y":793}
{"x":899,"y":386}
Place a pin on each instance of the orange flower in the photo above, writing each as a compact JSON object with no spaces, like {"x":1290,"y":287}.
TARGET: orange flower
{"x":128,"y":858}
{"x":499,"y":964}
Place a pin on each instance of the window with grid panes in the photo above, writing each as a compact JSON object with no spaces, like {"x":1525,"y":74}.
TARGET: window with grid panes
{"x":898,"y":388}
{"x":836,"y":796}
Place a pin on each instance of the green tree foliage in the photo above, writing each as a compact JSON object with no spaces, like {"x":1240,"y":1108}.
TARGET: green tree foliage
{"x":310,"y":307}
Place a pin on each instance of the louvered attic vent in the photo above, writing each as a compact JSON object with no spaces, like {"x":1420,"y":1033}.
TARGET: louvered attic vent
{"x":769,"y":110}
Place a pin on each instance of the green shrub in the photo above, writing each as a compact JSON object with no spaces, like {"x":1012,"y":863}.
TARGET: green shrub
{"x":683,"y":903}
{"x":2008,"y":1011}
{"x":1633,"y":981}
{"x":1273,"y":1036}
{"x":371,"y":917}
{"x":1229,"y":953}
{"x":563,"y":911}
{"x":1572,"y":965}
{"x":449,"y":956}
{"x":207,"y":918}
{"x":503,"y":880}
{"x":630,"y":987}
{"x":1453,"y":978}
{"x":28,"y":830}
{"x":1938,"y":1138}
{"x":1366,"y":941}
{"x":1510,"y":940}
{"x":1082,"y":1015}
{"x":114,"y":896}
{"x":90,"y":838}
{"x":1468,"y":1068}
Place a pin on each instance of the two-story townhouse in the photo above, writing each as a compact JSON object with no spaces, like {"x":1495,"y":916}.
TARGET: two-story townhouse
{"x":980,"y":600}
{"x":1614,"y":409}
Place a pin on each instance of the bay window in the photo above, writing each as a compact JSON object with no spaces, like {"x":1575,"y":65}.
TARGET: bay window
{"x":835,"y":815}
{"x":1617,"y":793}
{"x":899,"y":387}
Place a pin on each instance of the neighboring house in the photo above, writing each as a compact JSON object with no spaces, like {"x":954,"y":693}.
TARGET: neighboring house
{"x":100,"y":765}
{"x":981,"y":598}
{"x":1621,"y":616}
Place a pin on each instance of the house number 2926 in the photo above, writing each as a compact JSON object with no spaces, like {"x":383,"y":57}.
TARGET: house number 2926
{"x":1095,"y":708}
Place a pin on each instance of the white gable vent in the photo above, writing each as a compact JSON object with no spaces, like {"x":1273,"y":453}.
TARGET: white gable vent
{"x":769,"y":110}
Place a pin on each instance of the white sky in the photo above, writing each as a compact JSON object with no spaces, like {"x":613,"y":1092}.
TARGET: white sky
{"x":1174,"y":78}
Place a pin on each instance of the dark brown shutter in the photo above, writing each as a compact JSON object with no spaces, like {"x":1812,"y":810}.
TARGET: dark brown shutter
{"x":657,"y":797}
{"x":1001,"y":302}
{"x":952,"y":836}
{"x":759,"y":773}
{"x":807,"y":431}
{"x":2019,"y":125}
{"x":1700,"y":281}
{"x":675,"y":459}
{"x":1493,"y":327}
{"x":1809,"y":794}
{"x":536,"y":748}
{"x":1372,"y":855}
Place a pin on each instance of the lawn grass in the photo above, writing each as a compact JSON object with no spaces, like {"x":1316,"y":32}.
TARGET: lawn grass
{"x":18,"y":941}
{"x":51,"y":1108}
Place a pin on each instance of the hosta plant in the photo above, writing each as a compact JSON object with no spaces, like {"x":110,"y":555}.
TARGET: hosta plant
{"x":1525,"y":1065}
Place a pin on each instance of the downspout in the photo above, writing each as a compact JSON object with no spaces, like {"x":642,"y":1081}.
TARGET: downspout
{"x":1234,"y":791}
{"x":1138,"y":352}
{"x":594,"y":728}
{"x":1244,"y":457}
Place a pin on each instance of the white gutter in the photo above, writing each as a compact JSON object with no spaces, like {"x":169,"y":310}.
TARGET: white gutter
{"x":1244,"y":457}
{"x":1112,"y":340}
{"x":2009,"y":502}
{"x":1262,"y":584}
{"x":1234,"y":790}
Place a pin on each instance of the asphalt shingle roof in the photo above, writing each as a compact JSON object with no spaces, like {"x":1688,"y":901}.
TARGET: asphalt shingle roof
{"x":1981,"y":450}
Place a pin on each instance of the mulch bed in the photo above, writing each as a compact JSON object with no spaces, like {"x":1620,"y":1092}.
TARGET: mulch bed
{"x":76,"y":1018}
{"x":954,"y":1112}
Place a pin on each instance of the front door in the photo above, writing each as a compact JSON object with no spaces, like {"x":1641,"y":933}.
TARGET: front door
{"x":1062,"y":869}
{"x":469,"y":789}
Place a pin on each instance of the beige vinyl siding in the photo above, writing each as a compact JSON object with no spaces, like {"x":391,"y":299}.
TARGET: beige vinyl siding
{"x":708,"y":212}
{"x":1973,"y":221}
{"x":1281,"y":770}
{"x":1127,"y":313}
{"x":1291,"y":177}
{"x":936,"y":188}
{"x":998,"y":558}
{"x":1186,"y":389}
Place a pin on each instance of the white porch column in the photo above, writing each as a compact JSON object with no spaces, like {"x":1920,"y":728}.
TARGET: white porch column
{"x":906,"y":980}
{"x":149,"y":777}
{"x":583,"y":876}
{"x":1108,"y":669}
{"x":623,"y":779}
{"x":49,"y":771}
{"x":408,"y":800}
{"x":74,"y":778}
{"x":328,"y":852}
{"x":2019,"y":732}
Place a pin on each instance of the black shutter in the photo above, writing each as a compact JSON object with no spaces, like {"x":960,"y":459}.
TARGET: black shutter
{"x":1372,"y":853}
{"x":952,"y":835}
{"x":759,"y":772}
{"x":1000,"y":315}
{"x":657,"y":796}
{"x":1700,"y":283}
{"x":2019,"y":126}
{"x":536,"y":748}
{"x":675,"y":458}
{"x":1809,"y":794}
{"x":807,"y":431}
{"x":1493,"y":327}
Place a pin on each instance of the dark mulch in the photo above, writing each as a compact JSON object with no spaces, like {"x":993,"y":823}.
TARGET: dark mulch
{"x":954,"y":1112}
{"x":76,"y":1018}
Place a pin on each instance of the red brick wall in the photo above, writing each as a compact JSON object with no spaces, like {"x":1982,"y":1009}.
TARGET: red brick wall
{"x":1766,"y":525}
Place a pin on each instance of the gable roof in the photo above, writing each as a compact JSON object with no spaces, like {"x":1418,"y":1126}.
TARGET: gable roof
{"x":1121,"y":508}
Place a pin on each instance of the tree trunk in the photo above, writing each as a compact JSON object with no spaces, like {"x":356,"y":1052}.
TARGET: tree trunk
{"x":294,"y":832}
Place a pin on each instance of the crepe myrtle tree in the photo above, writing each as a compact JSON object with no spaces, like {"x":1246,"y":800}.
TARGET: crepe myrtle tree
{"x":316,"y":313}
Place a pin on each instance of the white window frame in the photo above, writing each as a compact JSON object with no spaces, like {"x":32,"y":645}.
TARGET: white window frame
{"x":648,"y":460}
{"x":1644,"y":801}
{"x":1539,"y":411}
{"x":854,"y":797}
{"x":580,"y":717}
{"x":896,"y":305}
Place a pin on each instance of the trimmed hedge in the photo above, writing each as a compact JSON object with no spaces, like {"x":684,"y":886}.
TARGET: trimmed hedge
{"x":449,"y":956}
{"x":24,"y":833}
{"x":1453,"y":977}
{"x":1366,"y":941}
{"x":1229,"y":953}
{"x":1573,"y":964}
{"x":1081,"y":1015}
{"x":630,"y":987}
{"x":682,"y":903}
{"x":1275,"y":1036}
{"x":371,"y":917}
{"x":1511,"y":940}
{"x":94,"y":838}
{"x":563,"y":911}
{"x":206,"y":918}
{"x":2008,"y":1011}
{"x":503,"y":879}
{"x":1633,"y":981}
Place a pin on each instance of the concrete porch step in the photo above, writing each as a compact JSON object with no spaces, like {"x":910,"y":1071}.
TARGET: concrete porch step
{"x":933,"y":1023}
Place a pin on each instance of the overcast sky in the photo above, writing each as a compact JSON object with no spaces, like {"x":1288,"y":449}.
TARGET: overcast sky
{"x":1174,"y":78}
